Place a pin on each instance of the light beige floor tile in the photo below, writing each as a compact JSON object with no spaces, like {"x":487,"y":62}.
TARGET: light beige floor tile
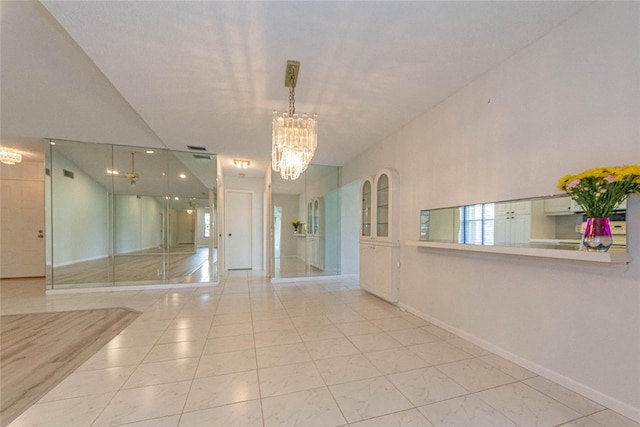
{"x":437,"y":353}
{"x":368,"y":398}
{"x":228,"y":344}
{"x":135,"y":339}
{"x":526,"y":406}
{"x":245,"y":414}
{"x":409,"y":418}
{"x":191,"y":323}
{"x":325,"y":349}
{"x":322,"y":332}
{"x":264,"y":325}
{"x":508,"y":367}
{"x":610,"y":418}
{"x":230,"y":330}
{"x":414,"y":336}
{"x":176,"y":350}
{"x":464,"y":411}
{"x":468,"y":347}
{"x":307,"y":408}
{"x":398,"y":359}
{"x":358,"y":328}
{"x":392,"y":324}
{"x":220,"y":390}
{"x":162,"y":372}
{"x":305,"y":321}
{"x":346,"y":368}
{"x":565,"y":396}
{"x":108,"y":358}
{"x":426,"y":385}
{"x":86,"y":383}
{"x":475,"y":375}
{"x":439,"y":332}
{"x":230,"y":319}
{"x":226,"y":363}
{"x":77,"y":411}
{"x":280,"y":355}
{"x":374,"y":342}
{"x":179,"y":335}
{"x":270,"y":314}
{"x":582,"y":422}
{"x":280,"y":337}
{"x":288,"y":379}
{"x":144,"y":403}
{"x":170,"y":421}
{"x":345,"y":317}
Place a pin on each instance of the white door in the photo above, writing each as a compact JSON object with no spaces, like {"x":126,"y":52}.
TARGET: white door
{"x":238,"y":221}
{"x":185,"y":227}
{"x":22,"y":220}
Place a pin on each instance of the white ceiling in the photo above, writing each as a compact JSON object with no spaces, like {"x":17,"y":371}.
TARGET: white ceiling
{"x":172,"y":74}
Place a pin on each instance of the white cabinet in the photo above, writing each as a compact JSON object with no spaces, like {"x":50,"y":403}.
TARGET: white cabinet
{"x":568,"y":206}
{"x":561,"y":206}
{"x":379,"y":269}
{"x":378,"y":207}
{"x":512,"y":223}
{"x":379,"y":235}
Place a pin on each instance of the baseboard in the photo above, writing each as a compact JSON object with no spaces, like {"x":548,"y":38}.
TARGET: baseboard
{"x":595,"y":395}
{"x":306,"y":279}
{"x":125,"y":288}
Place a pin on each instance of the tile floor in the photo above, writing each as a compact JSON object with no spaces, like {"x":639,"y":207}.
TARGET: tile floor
{"x":248,"y":353}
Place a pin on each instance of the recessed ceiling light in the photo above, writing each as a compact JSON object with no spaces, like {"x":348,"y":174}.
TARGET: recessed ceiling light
{"x":241,"y":164}
{"x":112,"y":172}
{"x":149,"y":151}
{"x":176,"y":198}
{"x":183,"y":176}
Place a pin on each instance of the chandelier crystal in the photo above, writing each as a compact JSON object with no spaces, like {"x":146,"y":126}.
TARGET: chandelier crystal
{"x":9,"y":156}
{"x":294,"y":137}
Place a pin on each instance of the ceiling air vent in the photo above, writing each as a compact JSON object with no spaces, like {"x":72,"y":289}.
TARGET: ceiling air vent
{"x":67,"y":173}
{"x":195,"y":148}
{"x":202,"y":156}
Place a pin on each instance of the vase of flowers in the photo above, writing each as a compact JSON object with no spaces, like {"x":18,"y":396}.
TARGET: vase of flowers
{"x":599,"y":191}
{"x":295,"y":224}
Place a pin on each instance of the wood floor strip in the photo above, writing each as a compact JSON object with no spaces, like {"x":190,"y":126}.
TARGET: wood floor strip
{"x":39,"y":350}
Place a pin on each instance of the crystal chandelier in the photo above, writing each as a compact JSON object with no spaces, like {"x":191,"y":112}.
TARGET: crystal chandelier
{"x":9,"y":156}
{"x":294,"y":137}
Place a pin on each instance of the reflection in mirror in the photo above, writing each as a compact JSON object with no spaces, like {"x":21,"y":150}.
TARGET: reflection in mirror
{"x":314,"y":200}
{"x":547,"y":222}
{"x":120,"y":215}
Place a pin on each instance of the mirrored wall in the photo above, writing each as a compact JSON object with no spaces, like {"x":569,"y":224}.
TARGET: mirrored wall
{"x":312,"y":248}
{"x":123,"y":216}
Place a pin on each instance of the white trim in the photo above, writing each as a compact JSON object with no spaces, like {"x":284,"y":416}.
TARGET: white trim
{"x":595,"y":395}
{"x":131,"y":288}
{"x":591,"y":257}
{"x":306,"y":279}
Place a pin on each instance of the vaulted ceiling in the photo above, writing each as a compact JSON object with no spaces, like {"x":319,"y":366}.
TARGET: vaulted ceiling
{"x":172,"y":74}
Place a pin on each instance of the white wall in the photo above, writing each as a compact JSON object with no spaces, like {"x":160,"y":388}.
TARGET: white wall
{"x":256,"y":187}
{"x":290,"y":212}
{"x":137,"y":223}
{"x":80,"y":209}
{"x":568,"y":102}
{"x":350,"y":228}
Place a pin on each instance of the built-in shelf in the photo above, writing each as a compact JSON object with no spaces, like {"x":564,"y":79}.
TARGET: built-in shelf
{"x":576,"y":255}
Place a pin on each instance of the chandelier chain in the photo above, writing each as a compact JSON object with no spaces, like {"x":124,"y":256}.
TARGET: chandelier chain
{"x":292,"y":101}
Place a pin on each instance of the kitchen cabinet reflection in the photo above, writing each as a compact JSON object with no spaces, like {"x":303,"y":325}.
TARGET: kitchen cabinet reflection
{"x":545,"y":222}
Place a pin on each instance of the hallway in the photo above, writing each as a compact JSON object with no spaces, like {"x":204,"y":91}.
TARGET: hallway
{"x":249,"y":353}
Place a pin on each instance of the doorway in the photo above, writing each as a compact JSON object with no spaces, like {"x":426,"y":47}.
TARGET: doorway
{"x":22,"y":225}
{"x":238,"y":230}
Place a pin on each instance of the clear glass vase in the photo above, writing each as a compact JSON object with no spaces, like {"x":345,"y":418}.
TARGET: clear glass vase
{"x":597,"y":235}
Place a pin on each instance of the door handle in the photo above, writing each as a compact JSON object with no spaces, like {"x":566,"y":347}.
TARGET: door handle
{"x":229,"y":234}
